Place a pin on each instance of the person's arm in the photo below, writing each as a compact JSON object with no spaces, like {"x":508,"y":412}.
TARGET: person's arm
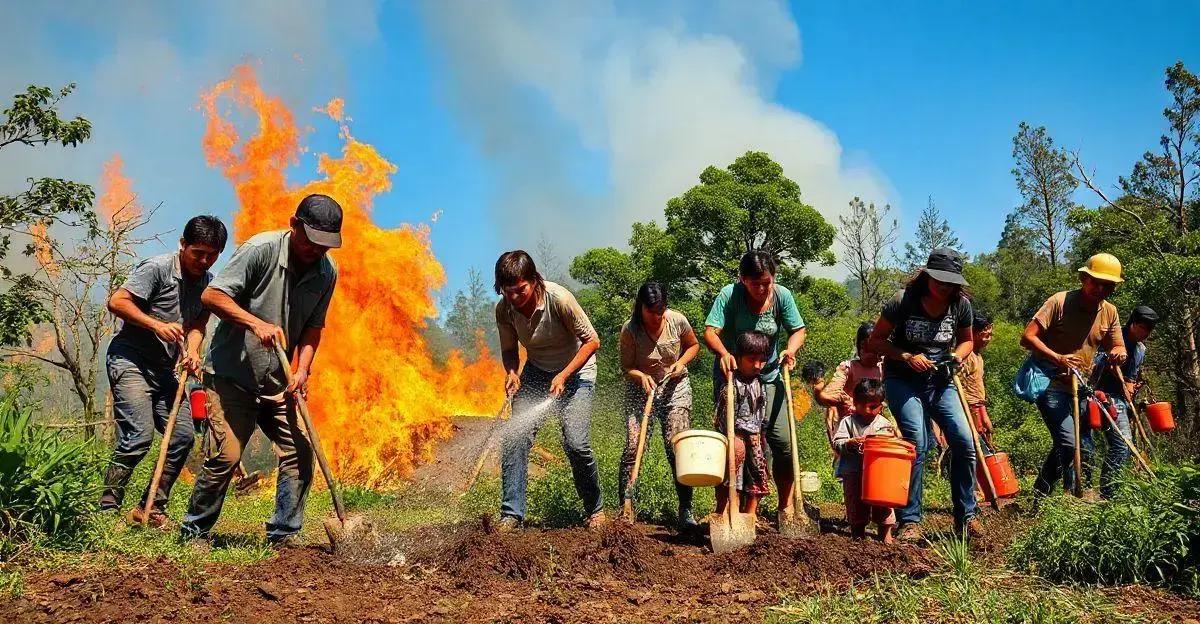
{"x":1114,"y":342}
{"x":226,"y":309}
{"x":965,"y":345}
{"x":629,"y":362}
{"x":689,"y":347}
{"x":714,"y":324}
{"x":192,"y":341}
{"x":833,"y":393}
{"x":1031,"y":340}
{"x":578,"y":322}
{"x":310,"y":339}
{"x":510,"y":353}
{"x":881,"y":343}
{"x":123,"y":306}
{"x":841,"y":437}
{"x":795,"y":326}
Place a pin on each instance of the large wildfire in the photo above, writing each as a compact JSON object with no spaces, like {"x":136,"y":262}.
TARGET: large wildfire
{"x":378,"y":398}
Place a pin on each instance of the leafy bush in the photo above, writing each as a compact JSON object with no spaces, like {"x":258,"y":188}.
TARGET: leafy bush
{"x":1149,"y":533}
{"x":48,"y":483}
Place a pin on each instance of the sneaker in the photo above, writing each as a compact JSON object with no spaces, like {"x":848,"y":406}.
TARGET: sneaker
{"x":157,"y":519}
{"x":285,"y":542}
{"x":508,"y":524}
{"x":910,"y":532}
{"x":597,"y":521}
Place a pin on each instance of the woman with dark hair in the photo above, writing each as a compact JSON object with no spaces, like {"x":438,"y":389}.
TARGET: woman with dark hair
{"x":924,"y":333}
{"x":657,"y":343}
{"x":559,"y":378}
{"x":756,"y":303}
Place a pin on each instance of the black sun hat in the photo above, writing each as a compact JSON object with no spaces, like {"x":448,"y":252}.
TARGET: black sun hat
{"x":945,"y":265}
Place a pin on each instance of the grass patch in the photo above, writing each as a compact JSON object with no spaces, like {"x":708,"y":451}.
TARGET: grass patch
{"x":1148,"y":533}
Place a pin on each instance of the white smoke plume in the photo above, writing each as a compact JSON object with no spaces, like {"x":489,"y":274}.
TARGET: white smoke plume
{"x":553,"y":92}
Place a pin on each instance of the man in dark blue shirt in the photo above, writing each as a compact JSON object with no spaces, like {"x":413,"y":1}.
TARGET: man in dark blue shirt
{"x":1137,"y":329}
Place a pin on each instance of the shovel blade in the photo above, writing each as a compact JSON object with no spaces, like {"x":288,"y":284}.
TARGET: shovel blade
{"x":730,"y":533}
{"x":355,"y":532}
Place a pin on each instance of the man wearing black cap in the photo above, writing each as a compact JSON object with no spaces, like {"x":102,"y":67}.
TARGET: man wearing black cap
{"x":1137,"y":329}
{"x":276,"y":287}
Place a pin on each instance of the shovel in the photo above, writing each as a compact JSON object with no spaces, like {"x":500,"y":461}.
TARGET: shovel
{"x":795,"y":523}
{"x":627,"y":510}
{"x":168,"y":429}
{"x":730,"y":529}
{"x":344,"y":528}
{"x":1075,"y":423}
{"x":1112,"y":422}
{"x":1135,"y":416}
{"x":987,"y":474}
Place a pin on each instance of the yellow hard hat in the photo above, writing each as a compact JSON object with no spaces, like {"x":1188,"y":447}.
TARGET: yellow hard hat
{"x":1103,"y":266}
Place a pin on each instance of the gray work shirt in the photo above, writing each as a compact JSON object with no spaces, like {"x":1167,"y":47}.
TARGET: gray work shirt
{"x":161,"y":292}
{"x":259,"y":280}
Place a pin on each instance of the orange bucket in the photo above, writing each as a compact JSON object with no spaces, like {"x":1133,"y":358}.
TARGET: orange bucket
{"x":1159,"y":416}
{"x":1003,"y":476}
{"x":887,"y":468}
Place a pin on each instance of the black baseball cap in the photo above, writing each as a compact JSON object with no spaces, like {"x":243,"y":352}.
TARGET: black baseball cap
{"x":322,"y":219}
{"x":1145,"y":315}
{"x":945,"y":265}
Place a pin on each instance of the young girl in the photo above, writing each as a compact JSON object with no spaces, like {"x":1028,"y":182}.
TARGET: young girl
{"x":864,"y":365}
{"x":866,"y":420}
{"x":749,"y":415}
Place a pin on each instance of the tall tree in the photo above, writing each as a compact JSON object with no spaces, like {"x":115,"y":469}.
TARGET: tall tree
{"x":867,"y":237}
{"x":471,"y":317}
{"x":1044,"y":178}
{"x":933,"y":232}
{"x":748,"y":205}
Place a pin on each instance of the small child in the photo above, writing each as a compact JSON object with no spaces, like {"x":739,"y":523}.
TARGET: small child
{"x":866,"y":420}
{"x":749,"y":414}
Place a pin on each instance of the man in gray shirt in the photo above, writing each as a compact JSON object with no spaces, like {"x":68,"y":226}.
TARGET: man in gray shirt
{"x":277,"y":287}
{"x":159,"y":305}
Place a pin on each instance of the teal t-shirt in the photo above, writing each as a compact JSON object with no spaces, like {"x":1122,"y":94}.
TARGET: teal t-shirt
{"x":731,"y":306}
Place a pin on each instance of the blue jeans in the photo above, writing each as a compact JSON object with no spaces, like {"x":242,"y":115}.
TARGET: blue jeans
{"x":1118,"y":451}
{"x":233,"y":414}
{"x":142,"y":397}
{"x":574,"y":410}
{"x":1056,"y":409}
{"x":914,"y":402}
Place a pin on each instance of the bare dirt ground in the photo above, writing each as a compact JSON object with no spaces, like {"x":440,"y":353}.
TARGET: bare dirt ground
{"x":470,"y":574}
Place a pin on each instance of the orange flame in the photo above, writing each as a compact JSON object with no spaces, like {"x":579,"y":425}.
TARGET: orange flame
{"x":43,"y":251}
{"x":117,"y":202}
{"x":379,"y":400}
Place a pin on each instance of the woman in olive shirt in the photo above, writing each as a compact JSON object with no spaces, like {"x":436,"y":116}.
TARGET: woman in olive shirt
{"x":657,"y":344}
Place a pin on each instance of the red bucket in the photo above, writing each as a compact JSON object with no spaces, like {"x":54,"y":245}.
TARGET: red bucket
{"x":1159,"y":416}
{"x":198,"y":401}
{"x":887,"y":469}
{"x":1094,"y":419}
{"x":1003,"y":476}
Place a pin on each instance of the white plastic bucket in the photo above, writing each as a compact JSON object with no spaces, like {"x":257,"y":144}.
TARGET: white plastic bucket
{"x":809,"y":482}
{"x":699,"y":457}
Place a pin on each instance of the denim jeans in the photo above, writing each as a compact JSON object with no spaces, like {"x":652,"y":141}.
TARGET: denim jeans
{"x":1055,"y":407}
{"x":1118,"y":452}
{"x":142,"y":397}
{"x":914,"y":402}
{"x":532,"y":406}
{"x":233,"y":413}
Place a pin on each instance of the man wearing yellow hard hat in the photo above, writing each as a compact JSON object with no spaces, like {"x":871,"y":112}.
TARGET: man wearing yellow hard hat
{"x":1063,"y":336}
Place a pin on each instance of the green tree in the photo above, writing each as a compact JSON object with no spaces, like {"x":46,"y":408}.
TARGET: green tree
{"x":1044,"y":178}
{"x":472,"y":316}
{"x":1023,"y":271}
{"x":748,"y":205}
{"x":933,"y":232}
{"x":32,"y":120}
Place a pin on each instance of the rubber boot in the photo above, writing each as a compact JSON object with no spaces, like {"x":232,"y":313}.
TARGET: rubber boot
{"x":115,"y":479}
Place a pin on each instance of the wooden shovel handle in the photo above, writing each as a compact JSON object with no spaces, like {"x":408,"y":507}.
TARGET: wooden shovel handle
{"x":1075,"y":424}
{"x":637,"y":458}
{"x":164,"y":446}
{"x":987,"y":474}
{"x":731,"y":461}
{"x":302,"y":408}
{"x":797,"y":495}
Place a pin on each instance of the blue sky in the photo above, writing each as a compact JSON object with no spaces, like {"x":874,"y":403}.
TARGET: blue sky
{"x":520,"y":121}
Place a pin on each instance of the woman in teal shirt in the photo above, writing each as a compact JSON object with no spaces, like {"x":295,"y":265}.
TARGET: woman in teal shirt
{"x":756,"y":303}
